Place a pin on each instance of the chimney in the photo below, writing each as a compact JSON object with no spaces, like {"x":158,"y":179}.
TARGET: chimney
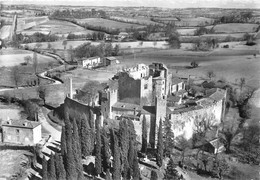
{"x":101,"y":120}
{"x":71,"y":96}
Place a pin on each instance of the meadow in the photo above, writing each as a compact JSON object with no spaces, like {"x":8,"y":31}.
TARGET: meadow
{"x":235,"y":28}
{"x":108,"y":23}
{"x":138,"y":20}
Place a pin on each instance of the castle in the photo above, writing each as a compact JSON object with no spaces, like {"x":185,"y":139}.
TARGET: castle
{"x":151,"y":92}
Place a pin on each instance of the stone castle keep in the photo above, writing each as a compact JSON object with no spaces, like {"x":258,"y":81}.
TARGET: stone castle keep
{"x":151,"y":92}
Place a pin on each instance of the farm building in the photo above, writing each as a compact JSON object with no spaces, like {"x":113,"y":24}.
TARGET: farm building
{"x":123,"y":35}
{"x":177,"y":85}
{"x":21,"y":132}
{"x":90,"y":62}
{"x":214,"y":146}
{"x":111,"y":61}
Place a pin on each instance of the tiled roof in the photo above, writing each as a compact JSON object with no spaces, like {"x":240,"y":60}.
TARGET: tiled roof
{"x":218,"y":95}
{"x":90,"y":58}
{"x":216,"y":143}
{"x":205,"y":102}
{"x":21,"y":123}
{"x":111,"y":58}
{"x":182,"y":110}
{"x":128,"y":106}
{"x":176,"y":81}
{"x":148,"y":110}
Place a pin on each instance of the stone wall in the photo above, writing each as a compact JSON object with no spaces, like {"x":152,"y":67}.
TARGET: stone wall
{"x":183,"y":123}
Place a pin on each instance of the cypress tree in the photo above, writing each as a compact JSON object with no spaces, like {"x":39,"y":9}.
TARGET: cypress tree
{"x":144,"y":136}
{"x":124,"y":137}
{"x":136,"y":170}
{"x":105,"y":151}
{"x":98,"y":160}
{"x":108,"y":175}
{"x":70,"y":164}
{"x":171,"y":172}
{"x":77,"y":150}
{"x":44,"y":169}
{"x":169,"y":137}
{"x":92,"y":132}
{"x":63,"y":142}
{"x":85,"y":137}
{"x":116,"y":158}
{"x":154,"y":175}
{"x":51,"y":168}
{"x":159,"y":155}
{"x":131,"y":155}
{"x":60,"y":171}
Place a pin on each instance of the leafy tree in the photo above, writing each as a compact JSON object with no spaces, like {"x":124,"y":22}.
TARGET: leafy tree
{"x":86,"y":137}
{"x":184,"y":144}
{"x":116,"y":50}
{"x":64,"y":43}
{"x":35,"y":62}
{"x":38,"y":45}
{"x":154,"y":175}
{"x":168,"y":137}
{"x":210,"y":74}
{"x":220,"y":167}
{"x":42,"y":93}
{"x":27,"y":59}
{"x":144,"y":136}
{"x":171,"y":172}
{"x":159,"y":155}
{"x":51,"y":168}
{"x":77,"y":150}
{"x":60,"y":170}
{"x":229,"y":132}
{"x":98,"y":160}
{"x":16,"y":77}
{"x":49,"y":45}
{"x":44,"y":169}
{"x":174,"y":41}
{"x":194,"y":64}
{"x":31,"y":109}
{"x":116,"y":158}
{"x":242,"y":83}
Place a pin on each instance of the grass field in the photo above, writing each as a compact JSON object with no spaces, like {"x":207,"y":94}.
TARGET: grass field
{"x":138,"y":20}
{"x":13,"y":57}
{"x":188,"y":31}
{"x":230,"y":67}
{"x":56,"y":26}
{"x":199,"y":21}
{"x":5,"y":31}
{"x":235,"y":28}
{"x":108,"y":23}
{"x":10,"y":111}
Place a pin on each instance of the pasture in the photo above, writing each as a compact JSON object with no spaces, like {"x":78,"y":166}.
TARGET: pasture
{"x":56,"y":27}
{"x":12,"y":57}
{"x":5,"y":31}
{"x":230,"y":67}
{"x":108,"y":23}
{"x":138,"y":20}
{"x":235,"y":28}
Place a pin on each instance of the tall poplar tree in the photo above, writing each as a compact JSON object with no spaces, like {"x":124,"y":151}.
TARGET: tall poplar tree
{"x":144,"y":136}
{"x":77,"y":151}
{"x":159,"y":155}
{"x":44,"y":169}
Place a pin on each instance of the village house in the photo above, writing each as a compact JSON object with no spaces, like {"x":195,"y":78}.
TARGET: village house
{"x":111,"y":61}
{"x":22,"y":132}
{"x":123,"y":35}
{"x":90,"y":62}
{"x":214,"y":146}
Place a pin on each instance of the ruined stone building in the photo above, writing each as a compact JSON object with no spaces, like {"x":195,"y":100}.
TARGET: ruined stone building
{"x":21,"y":132}
{"x":151,"y":92}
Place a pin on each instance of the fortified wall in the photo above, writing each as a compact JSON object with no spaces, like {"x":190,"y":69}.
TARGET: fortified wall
{"x":183,"y":122}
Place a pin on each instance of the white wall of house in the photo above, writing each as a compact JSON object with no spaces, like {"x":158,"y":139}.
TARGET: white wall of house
{"x":37,"y":134}
{"x":177,"y":87}
{"x":91,"y":62}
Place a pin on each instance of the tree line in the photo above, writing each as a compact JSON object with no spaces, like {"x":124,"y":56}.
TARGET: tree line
{"x":83,"y":136}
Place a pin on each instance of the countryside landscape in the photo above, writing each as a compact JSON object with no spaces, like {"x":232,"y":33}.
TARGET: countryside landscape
{"x":129,"y":90}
